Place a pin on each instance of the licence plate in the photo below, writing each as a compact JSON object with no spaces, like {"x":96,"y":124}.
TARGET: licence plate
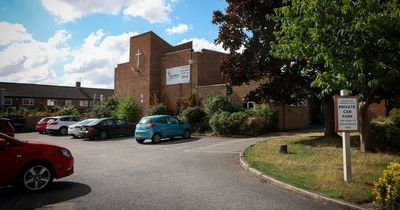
{"x":139,"y":134}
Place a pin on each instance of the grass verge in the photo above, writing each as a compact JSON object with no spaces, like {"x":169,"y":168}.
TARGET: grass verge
{"x":315,"y":163}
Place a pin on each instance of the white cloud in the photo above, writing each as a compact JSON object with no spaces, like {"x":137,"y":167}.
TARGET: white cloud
{"x":94,"y":61}
{"x":33,"y":61}
{"x":202,"y":43}
{"x":13,"y":33}
{"x":179,"y":29}
{"x":40,"y":62}
{"x":154,"y":11}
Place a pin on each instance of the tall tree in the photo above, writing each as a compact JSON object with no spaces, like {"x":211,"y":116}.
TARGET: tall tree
{"x":246,"y":33}
{"x":357,"y":41}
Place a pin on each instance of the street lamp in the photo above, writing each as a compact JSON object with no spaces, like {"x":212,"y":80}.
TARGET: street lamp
{"x":191,"y":61}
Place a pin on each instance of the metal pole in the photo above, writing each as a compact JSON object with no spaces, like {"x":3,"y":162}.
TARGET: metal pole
{"x":346,"y":149}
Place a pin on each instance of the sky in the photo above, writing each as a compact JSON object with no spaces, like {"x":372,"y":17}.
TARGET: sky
{"x":59,"y":42}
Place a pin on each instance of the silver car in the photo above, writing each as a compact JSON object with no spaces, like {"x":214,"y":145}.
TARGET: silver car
{"x":75,"y":128}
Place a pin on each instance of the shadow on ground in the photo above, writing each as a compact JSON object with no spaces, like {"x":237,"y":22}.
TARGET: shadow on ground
{"x":11,"y":198}
{"x":321,"y":141}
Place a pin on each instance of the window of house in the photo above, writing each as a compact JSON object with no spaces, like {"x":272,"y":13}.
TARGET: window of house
{"x":68,"y":103}
{"x":28,"y":101}
{"x":84,"y":103}
{"x":51,"y":102}
{"x":8,"y":101}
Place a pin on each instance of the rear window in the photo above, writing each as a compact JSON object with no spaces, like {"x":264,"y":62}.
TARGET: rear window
{"x":94,"y":122}
{"x":44,"y":120}
{"x":145,"y":120}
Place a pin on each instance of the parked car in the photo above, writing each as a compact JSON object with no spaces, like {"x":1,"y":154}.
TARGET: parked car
{"x":42,"y":124}
{"x":75,"y":128}
{"x":6,"y":127}
{"x":59,"y":124}
{"x":157,"y":127}
{"x":32,"y":165}
{"x":106,"y":127}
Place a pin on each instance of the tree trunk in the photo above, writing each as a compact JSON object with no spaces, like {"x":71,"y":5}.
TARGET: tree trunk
{"x":364,"y":121}
{"x":329,"y":118}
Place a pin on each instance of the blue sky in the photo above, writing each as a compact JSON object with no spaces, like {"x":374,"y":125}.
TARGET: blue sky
{"x":61,"y":41}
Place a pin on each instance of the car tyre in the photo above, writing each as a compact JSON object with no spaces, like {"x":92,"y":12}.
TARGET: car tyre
{"x":36,"y":177}
{"x":186,"y":134}
{"x":156,"y":138}
{"x":103,"y":135}
{"x":140,"y":141}
{"x":63,"y":131}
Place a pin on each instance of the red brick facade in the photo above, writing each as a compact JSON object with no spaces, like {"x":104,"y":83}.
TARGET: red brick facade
{"x":147,"y":82}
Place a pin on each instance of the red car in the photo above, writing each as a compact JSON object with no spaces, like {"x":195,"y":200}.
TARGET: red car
{"x":6,"y":127}
{"x":32,"y":165}
{"x":41,"y":125}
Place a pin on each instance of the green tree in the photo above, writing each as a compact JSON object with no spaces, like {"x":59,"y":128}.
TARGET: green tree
{"x":106,"y":108}
{"x":128,"y":110}
{"x":69,"y":110}
{"x":356,"y":42}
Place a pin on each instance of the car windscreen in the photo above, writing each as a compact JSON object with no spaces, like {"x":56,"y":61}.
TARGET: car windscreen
{"x":94,"y":122}
{"x":145,"y":120}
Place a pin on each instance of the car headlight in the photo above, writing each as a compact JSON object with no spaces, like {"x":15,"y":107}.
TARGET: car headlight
{"x":66,"y":152}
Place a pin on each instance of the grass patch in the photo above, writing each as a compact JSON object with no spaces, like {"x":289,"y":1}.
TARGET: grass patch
{"x":315,"y":163}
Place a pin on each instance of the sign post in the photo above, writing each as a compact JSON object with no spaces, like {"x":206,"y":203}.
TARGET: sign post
{"x":346,"y":121}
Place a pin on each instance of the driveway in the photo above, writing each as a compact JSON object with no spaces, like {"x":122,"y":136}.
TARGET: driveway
{"x":199,"y":173}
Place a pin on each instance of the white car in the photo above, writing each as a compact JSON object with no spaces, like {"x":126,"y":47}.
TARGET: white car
{"x":59,"y":124}
{"x":75,"y":128}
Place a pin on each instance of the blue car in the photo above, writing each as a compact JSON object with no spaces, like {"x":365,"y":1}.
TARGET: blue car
{"x":157,"y":127}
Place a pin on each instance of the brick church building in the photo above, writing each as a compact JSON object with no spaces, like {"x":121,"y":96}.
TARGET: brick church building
{"x":158,"y":72}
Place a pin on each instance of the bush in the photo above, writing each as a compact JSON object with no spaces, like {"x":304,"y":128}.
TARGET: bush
{"x":128,"y":110}
{"x":387,"y":189}
{"x":69,"y":110}
{"x":156,"y":110}
{"x":218,"y":123}
{"x":197,"y":118}
{"x":267,"y":115}
{"x":216,"y":104}
{"x":106,"y":108}
{"x":385,"y":133}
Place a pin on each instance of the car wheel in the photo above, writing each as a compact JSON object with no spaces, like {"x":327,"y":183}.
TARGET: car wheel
{"x":103,"y":135}
{"x":36,"y":177}
{"x":156,"y":138}
{"x":63,"y":131}
{"x":186,"y":134}
{"x":140,"y":141}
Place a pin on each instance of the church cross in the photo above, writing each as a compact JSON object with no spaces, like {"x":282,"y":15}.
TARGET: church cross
{"x":138,"y":54}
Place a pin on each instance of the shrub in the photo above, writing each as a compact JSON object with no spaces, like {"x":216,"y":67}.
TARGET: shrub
{"x":69,"y":110}
{"x":218,"y":123}
{"x":385,"y":133}
{"x":267,"y":115}
{"x":197,"y":118}
{"x":387,"y":189}
{"x":226,"y":123}
{"x":156,"y":110}
{"x":106,"y":108}
{"x":215,"y":103}
{"x":128,"y":110}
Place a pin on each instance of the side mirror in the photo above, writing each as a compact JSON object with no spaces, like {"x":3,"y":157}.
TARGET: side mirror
{"x":3,"y":144}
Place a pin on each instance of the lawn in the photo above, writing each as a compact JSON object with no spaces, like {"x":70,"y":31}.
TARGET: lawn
{"x":315,"y":163}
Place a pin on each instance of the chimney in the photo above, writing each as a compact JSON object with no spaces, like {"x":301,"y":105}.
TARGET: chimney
{"x":78,"y":84}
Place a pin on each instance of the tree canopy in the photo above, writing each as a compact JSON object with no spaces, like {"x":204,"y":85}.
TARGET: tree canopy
{"x":246,"y":33}
{"x":357,"y":42}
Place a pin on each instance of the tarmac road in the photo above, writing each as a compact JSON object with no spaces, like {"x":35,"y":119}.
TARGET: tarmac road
{"x":199,"y":173}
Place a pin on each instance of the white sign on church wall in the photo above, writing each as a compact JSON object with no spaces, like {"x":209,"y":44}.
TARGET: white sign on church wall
{"x":178,"y":75}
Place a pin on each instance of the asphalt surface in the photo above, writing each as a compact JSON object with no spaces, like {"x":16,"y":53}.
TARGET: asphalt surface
{"x":199,"y":173}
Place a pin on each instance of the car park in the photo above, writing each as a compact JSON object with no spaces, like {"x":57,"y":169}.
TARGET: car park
{"x":74,"y":129}
{"x":42,"y":124}
{"x":157,"y":127}
{"x":32,"y":165}
{"x":107,"y":127}
{"x":6,"y":127}
{"x":59,"y":124}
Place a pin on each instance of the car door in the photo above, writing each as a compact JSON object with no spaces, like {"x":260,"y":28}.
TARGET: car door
{"x":9,"y":163}
{"x":109,"y":127}
{"x":162,"y":127}
{"x":173,"y":127}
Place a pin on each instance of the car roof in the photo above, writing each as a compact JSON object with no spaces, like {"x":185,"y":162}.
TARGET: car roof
{"x":157,"y":116}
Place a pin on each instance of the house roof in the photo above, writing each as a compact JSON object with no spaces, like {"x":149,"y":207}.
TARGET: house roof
{"x":22,"y":90}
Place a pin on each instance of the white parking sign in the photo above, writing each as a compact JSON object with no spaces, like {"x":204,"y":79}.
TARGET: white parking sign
{"x":346,"y":113}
